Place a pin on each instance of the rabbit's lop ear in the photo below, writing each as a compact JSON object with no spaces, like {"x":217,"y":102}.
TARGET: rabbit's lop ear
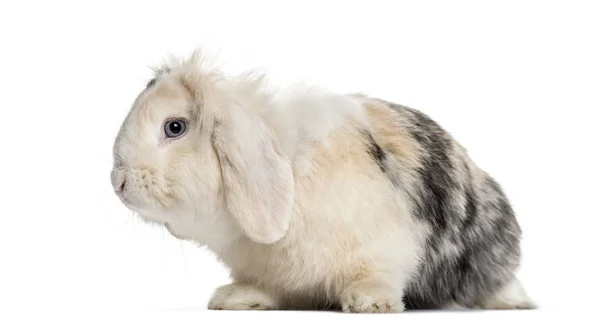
{"x":258,"y":181}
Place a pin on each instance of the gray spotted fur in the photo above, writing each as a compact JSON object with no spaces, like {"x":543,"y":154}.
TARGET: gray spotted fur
{"x":473,"y":248}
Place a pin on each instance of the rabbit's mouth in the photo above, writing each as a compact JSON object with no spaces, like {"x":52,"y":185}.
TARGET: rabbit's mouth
{"x":141,"y":189}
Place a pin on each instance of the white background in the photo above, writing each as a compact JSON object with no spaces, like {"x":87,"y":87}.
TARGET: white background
{"x":516,"y":82}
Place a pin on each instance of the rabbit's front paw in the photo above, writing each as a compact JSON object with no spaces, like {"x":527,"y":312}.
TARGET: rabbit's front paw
{"x":241,"y":297}
{"x":370,"y":300}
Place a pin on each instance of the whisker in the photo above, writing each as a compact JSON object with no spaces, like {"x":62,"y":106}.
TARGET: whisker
{"x":183,"y":255}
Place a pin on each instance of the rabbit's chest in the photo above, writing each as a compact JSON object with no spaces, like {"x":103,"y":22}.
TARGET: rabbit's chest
{"x":309,"y":270}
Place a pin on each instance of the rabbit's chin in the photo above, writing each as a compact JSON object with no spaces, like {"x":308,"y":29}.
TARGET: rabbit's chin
{"x":150,"y":208}
{"x":148,"y":212}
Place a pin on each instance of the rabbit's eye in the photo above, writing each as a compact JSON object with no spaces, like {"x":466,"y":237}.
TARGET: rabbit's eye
{"x":174,"y":128}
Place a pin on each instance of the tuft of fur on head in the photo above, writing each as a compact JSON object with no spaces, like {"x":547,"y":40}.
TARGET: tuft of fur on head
{"x":197,"y":60}
{"x":201,"y":69}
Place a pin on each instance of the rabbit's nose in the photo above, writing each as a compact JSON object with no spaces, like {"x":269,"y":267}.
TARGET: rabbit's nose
{"x":118,"y":180}
{"x":121,"y":187}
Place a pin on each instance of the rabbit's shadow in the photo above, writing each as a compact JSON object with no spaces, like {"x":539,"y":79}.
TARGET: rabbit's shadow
{"x":332,"y":310}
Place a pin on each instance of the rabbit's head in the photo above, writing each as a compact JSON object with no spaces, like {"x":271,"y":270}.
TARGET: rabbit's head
{"x":191,"y":145}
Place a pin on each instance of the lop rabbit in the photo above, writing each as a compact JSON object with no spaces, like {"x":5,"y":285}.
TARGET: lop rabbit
{"x":316,"y":200}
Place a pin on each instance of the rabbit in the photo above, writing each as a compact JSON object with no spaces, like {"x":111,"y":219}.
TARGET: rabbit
{"x":316,"y":200}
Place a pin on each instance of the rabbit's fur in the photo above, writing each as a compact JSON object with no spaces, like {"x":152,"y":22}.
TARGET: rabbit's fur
{"x":316,"y":200}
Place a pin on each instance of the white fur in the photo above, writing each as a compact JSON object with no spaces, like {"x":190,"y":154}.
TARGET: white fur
{"x":241,"y":297}
{"x":511,"y":296}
